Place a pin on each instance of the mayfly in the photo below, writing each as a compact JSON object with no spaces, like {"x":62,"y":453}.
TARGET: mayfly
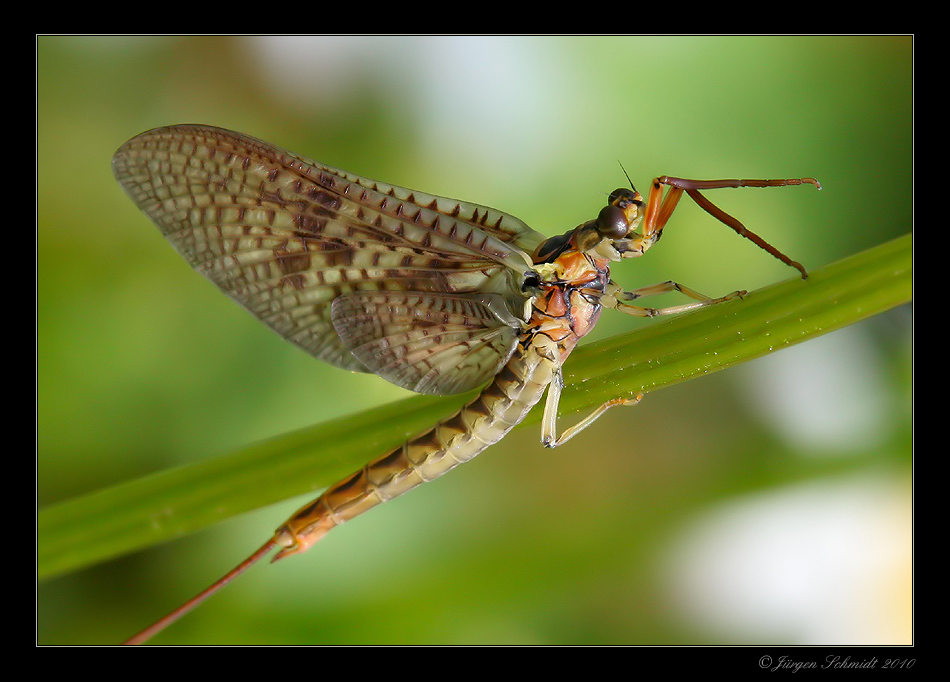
{"x":435,"y":295}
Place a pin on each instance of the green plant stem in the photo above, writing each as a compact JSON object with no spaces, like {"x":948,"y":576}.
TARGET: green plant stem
{"x":154,"y":509}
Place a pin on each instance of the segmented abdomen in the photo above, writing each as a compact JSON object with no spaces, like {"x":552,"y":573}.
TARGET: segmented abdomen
{"x":561,"y":315}
{"x":517,"y":387}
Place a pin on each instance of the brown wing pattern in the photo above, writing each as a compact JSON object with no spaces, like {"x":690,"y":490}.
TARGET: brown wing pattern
{"x":428,"y":342}
{"x":285,"y":236}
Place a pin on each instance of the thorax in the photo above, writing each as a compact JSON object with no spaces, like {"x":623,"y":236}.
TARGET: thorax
{"x":568,"y":302}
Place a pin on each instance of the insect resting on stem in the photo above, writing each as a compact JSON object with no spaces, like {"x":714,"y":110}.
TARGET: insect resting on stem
{"x":435,"y":295}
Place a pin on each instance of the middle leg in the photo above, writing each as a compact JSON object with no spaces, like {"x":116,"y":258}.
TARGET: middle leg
{"x":618,"y":299}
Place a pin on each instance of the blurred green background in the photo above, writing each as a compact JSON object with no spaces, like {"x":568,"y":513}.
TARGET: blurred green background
{"x":766,"y":504}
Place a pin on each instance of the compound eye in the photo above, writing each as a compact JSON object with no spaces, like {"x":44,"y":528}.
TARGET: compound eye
{"x":612,"y":223}
{"x":622,"y":193}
